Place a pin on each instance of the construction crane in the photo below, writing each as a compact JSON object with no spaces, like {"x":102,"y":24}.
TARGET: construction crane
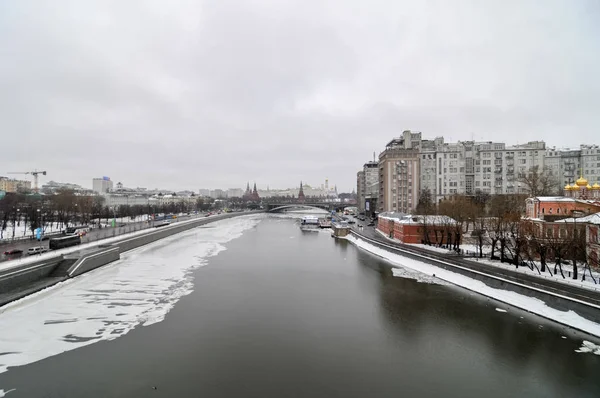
{"x":34,"y":174}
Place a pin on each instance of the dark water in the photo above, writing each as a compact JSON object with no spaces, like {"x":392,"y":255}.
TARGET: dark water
{"x":283,"y":313}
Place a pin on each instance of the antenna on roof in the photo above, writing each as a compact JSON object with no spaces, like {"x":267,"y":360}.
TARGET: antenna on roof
{"x":373,"y":155}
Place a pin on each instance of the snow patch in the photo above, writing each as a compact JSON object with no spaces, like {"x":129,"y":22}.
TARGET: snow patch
{"x":3,"y":393}
{"x":139,"y":289}
{"x":418,"y":276}
{"x":500,"y":310}
{"x":531,"y":304}
{"x":590,"y":347}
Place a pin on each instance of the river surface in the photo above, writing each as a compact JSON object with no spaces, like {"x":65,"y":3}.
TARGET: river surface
{"x":254,"y":307}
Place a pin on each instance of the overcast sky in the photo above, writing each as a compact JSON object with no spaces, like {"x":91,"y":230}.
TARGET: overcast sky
{"x":211,"y":94}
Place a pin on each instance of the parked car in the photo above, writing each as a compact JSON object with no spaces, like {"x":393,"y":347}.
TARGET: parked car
{"x":371,"y":224}
{"x":13,"y":252}
{"x":36,"y":250}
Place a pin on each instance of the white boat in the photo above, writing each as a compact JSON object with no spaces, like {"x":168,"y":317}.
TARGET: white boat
{"x":309,"y":223}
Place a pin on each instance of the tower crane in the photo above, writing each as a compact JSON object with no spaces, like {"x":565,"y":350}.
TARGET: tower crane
{"x":34,"y":173}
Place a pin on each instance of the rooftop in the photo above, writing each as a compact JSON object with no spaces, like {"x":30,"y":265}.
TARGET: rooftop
{"x":591,"y":219}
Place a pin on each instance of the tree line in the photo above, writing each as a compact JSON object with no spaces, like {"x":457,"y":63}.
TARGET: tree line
{"x":65,"y":208}
{"x":496,"y":224}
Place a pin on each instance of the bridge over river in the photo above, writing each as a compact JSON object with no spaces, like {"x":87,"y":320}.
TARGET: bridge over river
{"x":283,"y":206}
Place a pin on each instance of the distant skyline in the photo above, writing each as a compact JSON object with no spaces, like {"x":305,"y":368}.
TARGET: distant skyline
{"x":190,"y":94}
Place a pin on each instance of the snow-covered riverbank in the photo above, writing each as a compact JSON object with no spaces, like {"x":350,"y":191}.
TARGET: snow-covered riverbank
{"x":533,"y":305}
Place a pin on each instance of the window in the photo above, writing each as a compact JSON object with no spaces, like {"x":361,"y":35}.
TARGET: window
{"x":522,"y":161}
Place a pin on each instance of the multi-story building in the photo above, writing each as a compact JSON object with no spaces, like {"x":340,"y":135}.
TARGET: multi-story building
{"x":399,"y":175}
{"x":563,"y":164}
{"x":116,"y":200}
{"x":53,"y":186}
{"x":235,"y":192}
{"x":429,"y":165}
{"x":102,"y":185}
{"x":204,"y":192}
{"x":11,"y":185}
{"x":590,"y":162}
{"x":218,"y":194}
{"x":469,"y":167}
{"x":360,"y":190}
{"x":367,"y":187}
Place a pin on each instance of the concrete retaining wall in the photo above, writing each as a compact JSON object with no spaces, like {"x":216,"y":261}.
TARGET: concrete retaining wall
{"x":14,"y":278}
{"x":558,"y":302}
{"x":93,"y":260}
{"x":34,"y":277}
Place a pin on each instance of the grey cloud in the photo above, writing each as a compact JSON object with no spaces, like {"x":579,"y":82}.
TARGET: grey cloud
{"x":191,"y":94}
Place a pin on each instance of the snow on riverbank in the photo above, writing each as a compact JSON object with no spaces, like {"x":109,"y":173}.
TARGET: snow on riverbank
{"x":139,"y":289}
{"x":530,"y":304}
{"x":588,"y":283}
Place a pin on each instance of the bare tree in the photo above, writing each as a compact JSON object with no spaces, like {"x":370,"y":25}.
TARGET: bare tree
{"x":539,"y":182}
{"x":576,"y":248}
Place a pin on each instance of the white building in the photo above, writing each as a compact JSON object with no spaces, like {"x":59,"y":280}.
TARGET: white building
{"x":399,"y":174}
{"x":590,"y":162}
{"x":116,"y":200}
{"x":564,"y":164}
{"x":235,"y":192}
{"x":469,"y":167}
{"x":102,"y":185}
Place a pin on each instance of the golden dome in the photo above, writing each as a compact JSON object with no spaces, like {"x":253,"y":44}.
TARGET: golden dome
{"x":567,"y":187}
{"x":596,"y":186}
{"x":582,"y":182}
{"x":575,"y":187}
{"x":588,"y":186}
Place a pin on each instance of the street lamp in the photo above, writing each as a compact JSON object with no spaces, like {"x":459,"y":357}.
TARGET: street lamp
{"x":39,"y":215}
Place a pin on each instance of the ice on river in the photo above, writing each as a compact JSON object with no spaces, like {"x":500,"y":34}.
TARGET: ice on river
{"x":104,"y":304}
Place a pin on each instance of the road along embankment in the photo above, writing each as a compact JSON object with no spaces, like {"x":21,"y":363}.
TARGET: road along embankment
{"x":31,"y":276}
{"x":571,"y":311}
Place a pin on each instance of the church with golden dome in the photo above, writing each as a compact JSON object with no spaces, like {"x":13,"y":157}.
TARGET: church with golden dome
{"x":582,"y":189}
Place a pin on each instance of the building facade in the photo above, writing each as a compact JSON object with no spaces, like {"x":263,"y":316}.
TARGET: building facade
{"x":399,"y":175}
{"x":367,"y":186}
{"x":590,"y":162}
{"x":12,"y":185}
{"x":564,"y":164}
{"x":116,"y":200}
{"x":361,"y":190}
{"x":102,"y":185}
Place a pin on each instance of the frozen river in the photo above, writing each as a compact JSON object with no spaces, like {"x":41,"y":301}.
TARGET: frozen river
{"x":253,"y":307}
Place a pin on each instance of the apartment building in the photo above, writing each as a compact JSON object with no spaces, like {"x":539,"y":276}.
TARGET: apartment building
{"x":12,"y":185}
{"x":590,"y":162}
{"x":468,"y":167}
{"x":360,"y":190}
{"x":564,"y":164}
{"x":399,"y":174}
{"x":102,"y":185}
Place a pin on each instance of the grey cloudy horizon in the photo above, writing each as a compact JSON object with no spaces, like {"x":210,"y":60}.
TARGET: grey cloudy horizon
{"x":212,"y":94}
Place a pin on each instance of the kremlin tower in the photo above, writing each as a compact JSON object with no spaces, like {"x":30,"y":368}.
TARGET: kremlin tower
{"x":301,"y":197}
{"x":254,"y":196}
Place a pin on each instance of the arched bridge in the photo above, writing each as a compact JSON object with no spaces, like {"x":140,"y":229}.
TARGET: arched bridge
{"x":281,"y":207}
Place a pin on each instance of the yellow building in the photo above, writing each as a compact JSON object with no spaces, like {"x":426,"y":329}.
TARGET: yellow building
{"x":10,"y":185}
